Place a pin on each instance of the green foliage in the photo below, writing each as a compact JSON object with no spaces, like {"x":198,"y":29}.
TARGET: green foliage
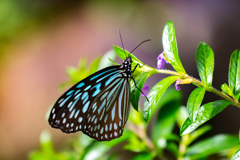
{"x":205,"y":63}
{"x":194,"y":102}
{"x":145,"y":156}
{"x":165,"y":105}
{"x":234,"y":74}
{"x":163,"y":127}
{"x":135,"y":94}
{"x":211,"y":146}
{"x":48,"y":152}
{"x":170,"y":47}
{"x":236,"y":155}
{"x":154,"y":96}
{"x":204,"y":113}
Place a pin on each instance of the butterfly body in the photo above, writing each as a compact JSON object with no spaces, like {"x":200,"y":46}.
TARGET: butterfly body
{"x":98,"y":105}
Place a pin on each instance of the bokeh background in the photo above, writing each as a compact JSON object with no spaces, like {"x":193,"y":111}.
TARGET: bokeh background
{"x":39,"y":39}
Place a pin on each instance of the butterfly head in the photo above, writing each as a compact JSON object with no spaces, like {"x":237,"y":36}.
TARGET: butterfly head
{"x":127,"y":65}
{"x":128,"y":59}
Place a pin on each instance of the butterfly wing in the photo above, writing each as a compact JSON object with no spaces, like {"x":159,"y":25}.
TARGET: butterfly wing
{"x":71,"y":110}
{"x":109,"y":112}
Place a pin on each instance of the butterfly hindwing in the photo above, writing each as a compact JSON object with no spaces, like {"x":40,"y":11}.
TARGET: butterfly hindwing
{"x":108,"y":114}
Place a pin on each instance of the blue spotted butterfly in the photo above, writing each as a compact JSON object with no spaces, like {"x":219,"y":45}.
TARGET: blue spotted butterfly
{"x":98,"y":105}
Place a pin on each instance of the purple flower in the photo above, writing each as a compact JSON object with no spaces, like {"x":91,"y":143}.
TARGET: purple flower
{"x":178,"y":81}
{"x":177,"y":87}
{"x":145,"y":89}
{"x":161,"y":61}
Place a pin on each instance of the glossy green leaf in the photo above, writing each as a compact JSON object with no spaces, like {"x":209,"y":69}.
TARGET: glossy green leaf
{"x":211,"y":146}
{"x":170,"y":47}
{"x":234,"y":73}
{"x":104,"y":62}
{"x":205,"y":63}
{"x":226,"y":89}
{"x":155,"y":95}
{"x":194,"y":102}
{"x":236,"y":155}
{"x":143,"y":156}
{"x":165,"y":123}
{"x":135,"y":93}
{"x":204,"y":113}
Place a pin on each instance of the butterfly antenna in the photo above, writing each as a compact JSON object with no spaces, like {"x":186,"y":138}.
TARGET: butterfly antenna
{"x":140,"y":44}
{"x":121,"y":40}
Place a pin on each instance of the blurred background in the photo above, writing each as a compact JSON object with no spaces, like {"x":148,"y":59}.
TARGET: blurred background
{"x":39,"y":39}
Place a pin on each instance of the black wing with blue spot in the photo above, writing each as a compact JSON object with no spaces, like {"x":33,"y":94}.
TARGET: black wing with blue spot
{"x":98,"y":105}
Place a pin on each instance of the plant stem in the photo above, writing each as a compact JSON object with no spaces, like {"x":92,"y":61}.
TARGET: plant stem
{"x":183,"y":146}
{"x":141,"y":133}
{"x":197,"y":83}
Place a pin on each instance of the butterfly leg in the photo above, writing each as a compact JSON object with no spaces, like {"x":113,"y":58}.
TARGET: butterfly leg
{"x":138,"y":88}
{"x":136,"y":67}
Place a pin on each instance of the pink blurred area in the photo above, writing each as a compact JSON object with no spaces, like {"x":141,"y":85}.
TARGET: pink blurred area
{"x":33,"y":66}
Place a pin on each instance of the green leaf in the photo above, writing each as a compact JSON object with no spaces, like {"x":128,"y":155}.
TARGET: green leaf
{"x":135,"y":93}
{"x":212,"y":145}
{"x":154,"y":96}
{"x":204,"y":113}
{"x":236,"y":155}
{"x":182,"y":115}
{"x":46,"y":142}
{"x":164,"y":125}
{"x":194,"y":102}
{"x":94,"y":65}
{"x":85,"y":141}
{"x":113,"y":61}
{"x":136,"y":118}
{"x":99,"y":149}
{"x":205,"y":63}
{"x":197,"y":133}
{"x":170,"y":47}
{"x":234,"y":73}
{"x":227,"y":90}
{"x":47,"y":151}
{"x":173,"y":148}
{"x":104,"y":62}
{"x":143,"y":67}
{"x":77,"y":74}
{"x":239,"y":134}
{"x":145,"y":156}
{"x":135,"y":144}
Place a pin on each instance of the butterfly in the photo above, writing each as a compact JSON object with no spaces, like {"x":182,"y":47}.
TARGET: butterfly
{"x":98,"y":105}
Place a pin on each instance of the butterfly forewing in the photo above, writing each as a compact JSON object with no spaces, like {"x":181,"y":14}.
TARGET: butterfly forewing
{"x":79,"y":95}
{"x":104,"y":94}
